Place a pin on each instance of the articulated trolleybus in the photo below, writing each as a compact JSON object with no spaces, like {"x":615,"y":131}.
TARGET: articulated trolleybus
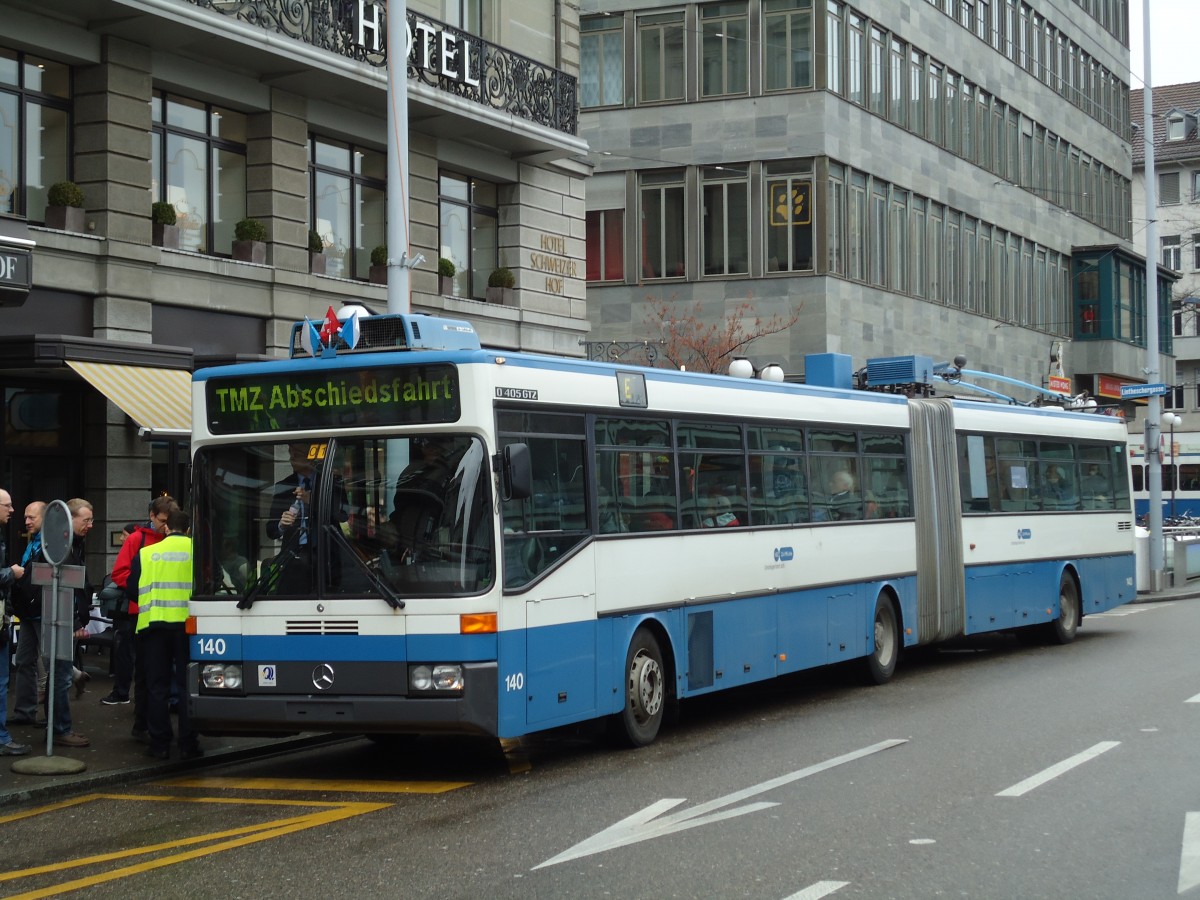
{"x":414,"y":534}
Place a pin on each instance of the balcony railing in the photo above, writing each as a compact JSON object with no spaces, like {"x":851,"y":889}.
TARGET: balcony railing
{"x":497,"y":78}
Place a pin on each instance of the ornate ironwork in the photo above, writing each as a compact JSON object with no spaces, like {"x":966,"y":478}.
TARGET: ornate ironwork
{"x":498,"y":78}
{"x":627,"y":351}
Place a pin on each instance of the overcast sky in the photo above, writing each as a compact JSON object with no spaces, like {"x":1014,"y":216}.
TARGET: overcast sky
{"x":1173,"y":42}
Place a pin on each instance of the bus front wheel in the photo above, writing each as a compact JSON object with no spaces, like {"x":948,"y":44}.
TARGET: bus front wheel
{"x":1062,"y":630}
{"x":881,"y":664}
{"x":645,"y":691}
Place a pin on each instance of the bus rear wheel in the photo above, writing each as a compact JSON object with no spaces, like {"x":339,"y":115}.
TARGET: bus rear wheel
{"x":1062,"y":630}
{"x":881,"y":664}
{"x":645,"y":691}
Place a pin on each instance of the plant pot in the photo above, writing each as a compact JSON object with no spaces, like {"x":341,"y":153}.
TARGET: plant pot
{"x":165,"y":236}
{"x":446,"y":285}
{"x":501,"y":295}
{"x":378,"y":274}
{"x":66,"y":218}
{"x":317,"y":263}
{"x":250,"y":251}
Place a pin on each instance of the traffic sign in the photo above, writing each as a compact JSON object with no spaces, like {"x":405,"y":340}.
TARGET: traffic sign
{"x":1133,"y":391}
{"x":56,"y":532}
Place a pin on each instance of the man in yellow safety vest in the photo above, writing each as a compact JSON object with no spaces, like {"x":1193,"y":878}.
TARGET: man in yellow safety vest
{"x":160,"y":583}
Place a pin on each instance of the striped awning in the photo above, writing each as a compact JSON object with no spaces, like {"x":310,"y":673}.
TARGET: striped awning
{"x":158,"y":400}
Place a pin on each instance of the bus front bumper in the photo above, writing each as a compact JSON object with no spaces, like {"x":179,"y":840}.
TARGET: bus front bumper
{"x":266,"y":713}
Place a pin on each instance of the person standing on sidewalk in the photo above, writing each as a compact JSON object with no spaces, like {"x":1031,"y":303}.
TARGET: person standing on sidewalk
{"x":8,"y":576}
{"x":129,"y":669}
{"x":161,"y":580}
{"x":27,"y":604}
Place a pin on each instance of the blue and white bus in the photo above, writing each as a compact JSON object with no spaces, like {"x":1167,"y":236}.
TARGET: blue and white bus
{"x":419,"y":535}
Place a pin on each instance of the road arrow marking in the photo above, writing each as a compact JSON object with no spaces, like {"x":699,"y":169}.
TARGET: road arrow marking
{"x":1195,"y":699}
{"x":1189,"y":857}
{"x":646,"y":824}
{"x":1024,"y":787}
{"x":818,"y":890}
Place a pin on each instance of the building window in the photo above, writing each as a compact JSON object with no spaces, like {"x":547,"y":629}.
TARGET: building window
{"x":660,"y":57}
{"x":1171,"y":250}
{"x":1196,"y":185}
{"x":789,"y":238}
{"x":856,"y":227}
{"x":835,"y":231}
{"x":724,"y":49}
{"x":833,"y":47}
{"x":1168,"y":188}
{"x":1196,"y":252}
{"x":601,"y":63}
{"x":198,"y":160}
{"x":469,"y":221}
{"x":877,"y":71}
{"x":605,"y":245}
{"x":664,"y":221}
{"x":347,"y":187}
{"x":916,"y":92}
{"x":1176,"y":127}
{"x":787,"y":39}
{"x":855,"y":59}
{"x":35,"y":128}
{"x":725,"y":230}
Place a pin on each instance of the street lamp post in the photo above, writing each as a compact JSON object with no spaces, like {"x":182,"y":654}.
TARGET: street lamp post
{"x":1170,"y":420}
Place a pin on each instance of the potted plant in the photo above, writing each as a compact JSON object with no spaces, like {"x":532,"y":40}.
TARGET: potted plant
{"x":165,"y":231}
{"x":500,"y":285}
{"x":378,"y":274}
{"x":64,"y":207}
{"x":317,"y":260}
{"x":446,"y":272}
{"x":250,"y":241}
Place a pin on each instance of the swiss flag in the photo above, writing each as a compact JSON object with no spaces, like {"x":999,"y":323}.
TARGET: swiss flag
{"x":330,"y":328}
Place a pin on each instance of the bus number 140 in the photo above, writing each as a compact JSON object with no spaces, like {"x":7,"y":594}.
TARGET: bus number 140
{"x":514,"y":682}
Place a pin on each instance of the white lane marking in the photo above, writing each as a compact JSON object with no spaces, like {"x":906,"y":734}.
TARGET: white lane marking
{"x":1128,"y":611}
{"x":1189,"y":857}
{"x":818,"y":890}
{"x":646,"y":824}
{"x":1024,"y":787}
{"x":1195,"y":699}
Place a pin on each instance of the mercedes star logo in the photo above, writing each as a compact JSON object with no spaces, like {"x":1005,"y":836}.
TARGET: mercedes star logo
{"x":322,"y":677}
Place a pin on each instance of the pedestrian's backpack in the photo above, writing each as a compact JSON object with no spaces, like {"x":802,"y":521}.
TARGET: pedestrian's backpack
{"x":111,"y":598}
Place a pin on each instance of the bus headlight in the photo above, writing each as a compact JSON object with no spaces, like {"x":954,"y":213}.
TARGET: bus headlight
{"x":435,"y":677}
{"x":221,"y":677}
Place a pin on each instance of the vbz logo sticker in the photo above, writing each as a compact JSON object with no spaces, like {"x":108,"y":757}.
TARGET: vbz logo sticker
{"x":1024,"y":534}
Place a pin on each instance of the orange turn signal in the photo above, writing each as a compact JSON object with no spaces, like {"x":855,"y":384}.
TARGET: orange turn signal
{"x":477,"y":623}
{"x":190,"y":625}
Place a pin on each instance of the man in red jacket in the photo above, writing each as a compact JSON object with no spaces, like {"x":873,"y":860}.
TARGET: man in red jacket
{"x":129,"y":667}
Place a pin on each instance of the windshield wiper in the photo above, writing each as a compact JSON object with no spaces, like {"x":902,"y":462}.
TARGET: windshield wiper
{"x":392,"y":598}
{"x":269,"y":576}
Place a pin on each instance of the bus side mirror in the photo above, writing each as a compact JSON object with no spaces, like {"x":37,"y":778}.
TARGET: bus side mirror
{"x":516,"y":474}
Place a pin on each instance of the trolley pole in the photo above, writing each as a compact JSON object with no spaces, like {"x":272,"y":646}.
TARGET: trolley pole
{"x":399,"y":266}
{"x":1152,"y":428}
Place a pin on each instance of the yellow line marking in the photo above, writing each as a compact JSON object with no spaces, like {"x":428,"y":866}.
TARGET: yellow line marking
{"x":320,"y":784}
{"x":240,"y":838}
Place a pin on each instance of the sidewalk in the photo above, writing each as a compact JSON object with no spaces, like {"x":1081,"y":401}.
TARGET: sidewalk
{"x":114,"y":757}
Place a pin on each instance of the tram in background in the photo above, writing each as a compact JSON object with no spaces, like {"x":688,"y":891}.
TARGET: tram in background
{"x":1180,"y":475}
{"x":399,"y":532}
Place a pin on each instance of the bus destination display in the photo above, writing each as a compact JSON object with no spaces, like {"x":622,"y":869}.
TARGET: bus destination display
{"x":361,"y":398}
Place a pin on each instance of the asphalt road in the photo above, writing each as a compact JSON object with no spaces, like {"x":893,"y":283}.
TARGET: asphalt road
{"x":990,"y":769}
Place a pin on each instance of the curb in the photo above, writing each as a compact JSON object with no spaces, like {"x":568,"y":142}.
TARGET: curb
{"x":58,"y":788}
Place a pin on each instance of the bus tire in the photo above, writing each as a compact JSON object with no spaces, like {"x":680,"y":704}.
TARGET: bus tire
{"x":1063,"y":629}
{"x":645,"y":691}
{"x":881,"y":663}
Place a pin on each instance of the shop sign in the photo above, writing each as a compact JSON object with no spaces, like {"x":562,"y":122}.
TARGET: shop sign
{"x":16,"y":272}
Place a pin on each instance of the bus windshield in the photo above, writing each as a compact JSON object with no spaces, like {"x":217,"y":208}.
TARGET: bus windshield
{"x":394,"y":517}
